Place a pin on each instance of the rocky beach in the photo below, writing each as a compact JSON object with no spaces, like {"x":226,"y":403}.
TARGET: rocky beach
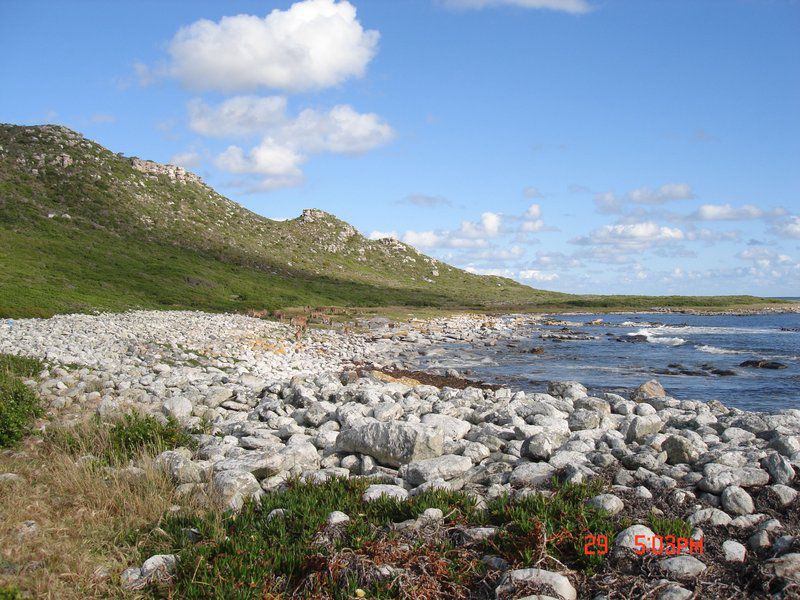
{"x":268,"y":411}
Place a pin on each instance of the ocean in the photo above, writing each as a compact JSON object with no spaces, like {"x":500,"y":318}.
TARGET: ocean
{"x":695,"y":357}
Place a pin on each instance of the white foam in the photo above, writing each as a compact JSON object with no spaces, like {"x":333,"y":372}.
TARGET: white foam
{"x":692,"y":330}
{"x":654,"y":339}
{"x":715,"y":350}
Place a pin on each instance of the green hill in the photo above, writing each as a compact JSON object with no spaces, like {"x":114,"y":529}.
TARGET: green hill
{"x":83,"y":229}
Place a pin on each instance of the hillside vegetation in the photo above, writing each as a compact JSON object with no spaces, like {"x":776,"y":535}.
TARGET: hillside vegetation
{"x":83,"y":229}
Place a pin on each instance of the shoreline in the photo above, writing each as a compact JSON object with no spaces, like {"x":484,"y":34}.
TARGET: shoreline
{"x":334,"y":405}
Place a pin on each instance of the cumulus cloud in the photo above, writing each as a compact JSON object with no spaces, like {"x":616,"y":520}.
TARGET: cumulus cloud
{"x":488,"y":226}
{"x":789,"y":228}
{"x":340,"y":130}
{"x":422,"y":239}
{"x":187,"y":160}
{"x":609,"y":203}
{"x":726,"y":212}
{"x":425,"y":200}
{"x":630,"y":235}
{"x":534,"y":275}
{"x":313,"y":44}
{"x":570,"y":6}
{"x":237,"y":116}
{"x":287,"y":142}
{"x":668,"y":192}
{"x":380,"y":235}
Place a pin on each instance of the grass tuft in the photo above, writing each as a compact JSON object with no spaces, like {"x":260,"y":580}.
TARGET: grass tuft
{"x":121,"y":441}
{"x":19,"y":405}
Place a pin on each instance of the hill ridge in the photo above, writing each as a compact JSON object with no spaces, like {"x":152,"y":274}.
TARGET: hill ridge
{"x":49,"y":171}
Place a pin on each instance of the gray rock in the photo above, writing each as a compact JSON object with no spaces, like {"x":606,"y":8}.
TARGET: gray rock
{"x":737,"y":501}
{"x":675,"y":592}
{"x":608,"y":502}
{"x":634,"y":538}
{"x":680,"y":450}
{"x":337,"y":518}
{"x":379,"y":490}
{"x":180,"y":408}
{"x":444,"y":467}
{"x":785,"y":494}
{"x":649,"y":389}
{"x":560,"y":585}
{"x":537,"y":447}
{"x":681,"y":567}
{"x":232,"y":488}
{"x":787,"y":567}
{"x":583,"y":419}
{"x":779,"y":468}
{"x":532,"y":475}
{"x":451,"y":427}
{"x":178,"y":468}
{"x":712,"y":516}
{"x":393,"y":443}
{"x":734,"y":551}
{"x":570,"y":390}
{"x":640,"y":427}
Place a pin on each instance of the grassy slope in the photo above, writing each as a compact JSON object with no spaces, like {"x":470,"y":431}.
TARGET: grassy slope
{"x":141,"y":239}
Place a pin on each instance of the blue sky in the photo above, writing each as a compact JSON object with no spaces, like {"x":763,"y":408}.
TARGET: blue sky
{"x":617,"y":146}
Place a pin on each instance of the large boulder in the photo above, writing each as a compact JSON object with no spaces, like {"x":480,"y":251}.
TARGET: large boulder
{"x":451,"y":427}
{"x":444,"y":467}
{"x":680,"y":450}
{"x":641,"y":427}
{"x":393,"y":443}
{"x":232,"y":488}
{"x":649,"y":389}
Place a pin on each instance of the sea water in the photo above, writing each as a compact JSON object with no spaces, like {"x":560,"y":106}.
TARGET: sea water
{"x":697,"y":344}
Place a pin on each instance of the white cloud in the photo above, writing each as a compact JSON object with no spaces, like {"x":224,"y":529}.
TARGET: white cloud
{"x":288,"y":143}
{"x":534,"y":275}
{"x":422,"y":239}
{"x":278,"y":165}
{"x":379,"y":235}
{"x":489,"y":226}
{"x":533,"y":226}
{"x":534,"y":211}
{"x":187,"y":160}
{"x":630,"y":235}
{"x":237,"y":116}
{"x":788,"y":228}
{"x":313,"y":44}
{"x":707,"y":235}
{"x":489,"y":271}
{"x":570,"y":6}
{"x":726,"y":212}
{"x":607,"y":203}
{"x":340,"y":130}
{"x":532,"y":193}
{"x":666,"y":193}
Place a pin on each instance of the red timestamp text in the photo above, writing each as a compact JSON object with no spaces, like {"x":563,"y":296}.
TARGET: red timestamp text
{"x":644,"y":544}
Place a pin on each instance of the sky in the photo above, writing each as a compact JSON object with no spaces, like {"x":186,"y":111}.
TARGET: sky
{"x":590,"y":146}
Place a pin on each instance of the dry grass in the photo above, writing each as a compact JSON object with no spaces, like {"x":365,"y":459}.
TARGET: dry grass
{"x":84,"y":513}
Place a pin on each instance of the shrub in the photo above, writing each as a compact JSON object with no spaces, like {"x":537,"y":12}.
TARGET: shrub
{"x":123,"y":440}
{"x":10,"y":593}
{"x":19,"y":405}
{"x":136,"y":433}
{"x":21,"y":366}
